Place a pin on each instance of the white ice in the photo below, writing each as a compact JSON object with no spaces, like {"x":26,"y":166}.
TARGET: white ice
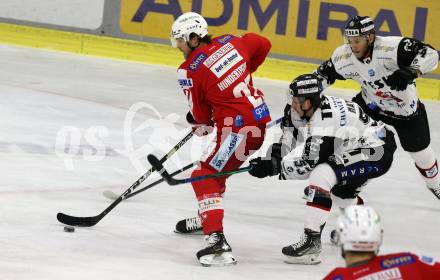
{"x":50,"y":100}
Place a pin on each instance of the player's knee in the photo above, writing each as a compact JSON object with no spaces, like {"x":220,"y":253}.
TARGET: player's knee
{"x":323,"y":176}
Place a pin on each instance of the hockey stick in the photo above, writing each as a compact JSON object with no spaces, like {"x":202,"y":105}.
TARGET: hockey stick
{"x":93,"y":220}
{"x":154,"y":161}
{"x":273,"y":123}
{"x":109,"y":194}
{"x":113,"y":196}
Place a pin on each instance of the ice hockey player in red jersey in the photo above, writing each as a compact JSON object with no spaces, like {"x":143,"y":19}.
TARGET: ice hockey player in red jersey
{"x":360,"y":233}
{"x":216,"y":80}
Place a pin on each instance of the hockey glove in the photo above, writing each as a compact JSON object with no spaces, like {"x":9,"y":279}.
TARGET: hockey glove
{"x":199,"y":129}
{"x":400,"y":79}
{"x":267,"y":167}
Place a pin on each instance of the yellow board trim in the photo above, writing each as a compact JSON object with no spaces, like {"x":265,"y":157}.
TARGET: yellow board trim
{"x":102,"y":46}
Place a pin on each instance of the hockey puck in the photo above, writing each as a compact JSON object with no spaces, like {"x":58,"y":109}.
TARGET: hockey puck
{"x":69,"y":229}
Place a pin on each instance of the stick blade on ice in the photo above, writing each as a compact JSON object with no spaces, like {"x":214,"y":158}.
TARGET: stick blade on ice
{"x":76,"y":221}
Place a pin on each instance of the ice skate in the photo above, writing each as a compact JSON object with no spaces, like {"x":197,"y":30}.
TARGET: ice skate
{"x":217,"y":251}
{"x":306,"y":250}
{"x":190,"y":226}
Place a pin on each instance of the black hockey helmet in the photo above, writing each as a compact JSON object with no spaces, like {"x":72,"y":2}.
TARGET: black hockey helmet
{"x":307,"y":86}
{"x":358,"y":26}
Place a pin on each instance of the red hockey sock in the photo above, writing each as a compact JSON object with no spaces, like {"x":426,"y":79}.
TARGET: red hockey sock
{"x":212,"y":221}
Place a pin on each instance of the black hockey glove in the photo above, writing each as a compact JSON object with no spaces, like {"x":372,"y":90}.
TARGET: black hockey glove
{"x":199,"y":129}
{"x":400,"y":79}
{"x":267,"y":167}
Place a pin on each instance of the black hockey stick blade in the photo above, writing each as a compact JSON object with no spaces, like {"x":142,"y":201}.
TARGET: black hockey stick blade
{"x":154,"y":161}
{"x":78,"y":221}
{"x":86,"y":221}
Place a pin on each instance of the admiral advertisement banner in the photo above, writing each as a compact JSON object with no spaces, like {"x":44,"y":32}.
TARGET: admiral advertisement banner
{"x":300,"y":28}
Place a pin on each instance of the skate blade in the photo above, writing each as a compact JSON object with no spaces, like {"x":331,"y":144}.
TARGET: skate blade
{"x":310,"y":259}
{"x":197,"y":232}
{"x":224,"y":259}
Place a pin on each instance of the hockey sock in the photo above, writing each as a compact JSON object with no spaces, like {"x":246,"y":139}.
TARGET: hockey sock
{"x":426,"y":163}
{"x":319,"y":203}
{"x":211,"y":213}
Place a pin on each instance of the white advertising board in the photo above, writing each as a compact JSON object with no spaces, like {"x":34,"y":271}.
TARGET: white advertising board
{"x":87,"y":14}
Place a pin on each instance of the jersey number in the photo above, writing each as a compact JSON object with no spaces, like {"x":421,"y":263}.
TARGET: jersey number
{"x":242,"y":89}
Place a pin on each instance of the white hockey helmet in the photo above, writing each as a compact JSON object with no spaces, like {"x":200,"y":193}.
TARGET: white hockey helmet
{"x":360,"y":229}
{"x":186,"y":24}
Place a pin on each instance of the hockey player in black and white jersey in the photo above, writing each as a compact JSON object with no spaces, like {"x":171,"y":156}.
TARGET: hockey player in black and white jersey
{"x":386,"y":69}
{"x":343,"y":149}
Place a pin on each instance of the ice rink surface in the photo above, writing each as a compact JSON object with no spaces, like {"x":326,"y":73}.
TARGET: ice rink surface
{"x":73,"y":126}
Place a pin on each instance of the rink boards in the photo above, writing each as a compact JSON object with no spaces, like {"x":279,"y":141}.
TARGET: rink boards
{"x":88,"y":44}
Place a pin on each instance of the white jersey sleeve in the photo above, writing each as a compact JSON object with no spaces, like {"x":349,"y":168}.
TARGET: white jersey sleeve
{"x":389,"y":54}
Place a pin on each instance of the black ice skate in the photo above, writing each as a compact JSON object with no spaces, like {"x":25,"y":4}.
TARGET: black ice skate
{"x":217,"y":251}
{"x":191,"y":226}
{"x":306,"y":250}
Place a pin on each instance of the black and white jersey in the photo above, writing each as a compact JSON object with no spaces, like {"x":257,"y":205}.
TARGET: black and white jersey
{"x":336,"y":127}
{"x":389,"y":54}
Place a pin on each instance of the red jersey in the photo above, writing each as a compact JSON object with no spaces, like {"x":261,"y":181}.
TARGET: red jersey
{"x":390,"y":267}
{"x":217,"y":82}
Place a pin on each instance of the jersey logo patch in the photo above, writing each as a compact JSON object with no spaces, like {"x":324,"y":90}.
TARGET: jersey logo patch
{"x":185,"y":83}
{"x":226,"y":150}
{"x":389,"y":274}
{"x":397,"y":261}
{"x":427,"y":260}
{"x":341,"y":57}
{"x":226,"y":62}
{"x":238,"y":121}
{"x":231,"y":78}
{"x":224,"y":39}
{"x":353,"y":170}
{"x":371,"y":72}
{"x":217,"y":55}
{"x":211,"y":203}
{"x":194,"y":65}
{"x":261,"y":112}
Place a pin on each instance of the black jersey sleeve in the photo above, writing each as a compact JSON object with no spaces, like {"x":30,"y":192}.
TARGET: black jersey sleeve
{"x":408,"y":49}
{"x":327,"y":70}
{"x":318,"y":149}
